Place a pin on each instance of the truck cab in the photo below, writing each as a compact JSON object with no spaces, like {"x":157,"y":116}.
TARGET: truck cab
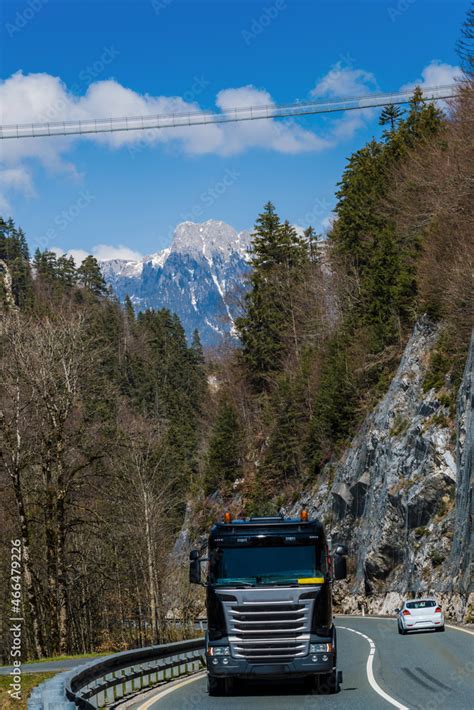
{"x":269,"y":601}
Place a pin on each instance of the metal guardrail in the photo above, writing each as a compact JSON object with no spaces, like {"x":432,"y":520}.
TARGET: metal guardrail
{"x":107,"y":681}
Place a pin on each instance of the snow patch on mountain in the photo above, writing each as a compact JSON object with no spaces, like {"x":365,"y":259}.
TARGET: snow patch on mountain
{"x":122,"y":267}
{"x":197,"y":277}
{"x":158,"y":260}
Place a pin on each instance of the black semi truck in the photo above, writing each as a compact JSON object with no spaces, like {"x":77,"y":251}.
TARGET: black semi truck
{"x":269,"y":601}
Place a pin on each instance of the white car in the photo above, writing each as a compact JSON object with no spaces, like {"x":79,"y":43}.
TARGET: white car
{"x":420,"y":615}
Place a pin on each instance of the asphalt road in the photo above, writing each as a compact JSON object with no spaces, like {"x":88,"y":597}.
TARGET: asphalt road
{"x":49,"y":666}
{"x":424,"y":671}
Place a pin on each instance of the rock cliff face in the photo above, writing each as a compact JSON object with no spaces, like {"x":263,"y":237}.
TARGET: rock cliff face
{"x":401,"y":495}
{"x":463,"y":543}
{"x":7,"y":300}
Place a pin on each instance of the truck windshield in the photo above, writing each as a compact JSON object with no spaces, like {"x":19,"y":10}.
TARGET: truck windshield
{"x":266,"y":565}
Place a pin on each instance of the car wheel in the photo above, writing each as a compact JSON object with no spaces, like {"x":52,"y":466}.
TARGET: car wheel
{"x":399,"y":629}
{"x":440,"y":628}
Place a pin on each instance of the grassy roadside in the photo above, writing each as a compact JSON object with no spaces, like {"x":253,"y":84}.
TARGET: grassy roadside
{"x":28,"y":682}
{"x":50,"y":659}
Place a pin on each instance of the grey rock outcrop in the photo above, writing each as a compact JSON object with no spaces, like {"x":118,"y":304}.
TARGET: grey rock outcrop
{"x":462,"y":565}
{"x":401,"y":495}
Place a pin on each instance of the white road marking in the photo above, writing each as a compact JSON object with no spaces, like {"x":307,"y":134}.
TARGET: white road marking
{"x":370,"y":671}
{"x":166,"y":691}
{"x":459,"y":628}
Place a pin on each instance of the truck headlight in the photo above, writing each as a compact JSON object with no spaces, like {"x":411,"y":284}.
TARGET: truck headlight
{"x":218,"y":651}
{"x":320,"y":648}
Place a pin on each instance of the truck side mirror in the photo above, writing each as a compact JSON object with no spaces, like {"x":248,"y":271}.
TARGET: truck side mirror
{"x":194,"y":567}
{"x":195,"y":572}
{"x":341,"y":550}
{"x":340,"y":566}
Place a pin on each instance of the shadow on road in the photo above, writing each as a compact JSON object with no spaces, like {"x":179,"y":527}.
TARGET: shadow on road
{"x":288,"y":688}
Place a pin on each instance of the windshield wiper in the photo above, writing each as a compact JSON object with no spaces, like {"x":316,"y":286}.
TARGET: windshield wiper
{"x":286,"y":582}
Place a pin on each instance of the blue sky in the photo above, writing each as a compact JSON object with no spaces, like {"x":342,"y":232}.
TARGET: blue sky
{"x":71,"y":59}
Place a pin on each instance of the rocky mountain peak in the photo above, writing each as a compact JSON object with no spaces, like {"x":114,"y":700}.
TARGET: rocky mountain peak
{"x":198,"y":277}
{"x":208,"y":239}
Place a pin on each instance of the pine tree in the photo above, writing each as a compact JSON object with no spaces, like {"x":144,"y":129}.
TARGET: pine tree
{"x":224,"y":453}
{"x":196,"y":348}
{"x":417,"y":101}
{"x":66,"y":271}
{"x":45,"y":265}
{"x":365,"y":238}
{"x":465,"y":46}
{"x":424,"y":119}
{"x":23,"y":245}
{"x":277,"y":257}
{"x":90,"y":276}
{"x":283,"y":459}
{"x":334,"y":404}
{"x":265,"y":249}
{"x":391,"y":114}
{"x":312,"y":242}
{"x":129,"y":309}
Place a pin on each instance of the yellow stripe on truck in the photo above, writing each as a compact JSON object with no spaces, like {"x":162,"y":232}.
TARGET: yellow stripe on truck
{"x":311,"y":580}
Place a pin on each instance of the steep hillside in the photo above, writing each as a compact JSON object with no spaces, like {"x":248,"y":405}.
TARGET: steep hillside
{"x":362,"y":412}
{"x":399,"y":495}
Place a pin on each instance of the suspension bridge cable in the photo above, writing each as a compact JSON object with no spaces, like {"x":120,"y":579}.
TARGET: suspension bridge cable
{"x":199,"y":118}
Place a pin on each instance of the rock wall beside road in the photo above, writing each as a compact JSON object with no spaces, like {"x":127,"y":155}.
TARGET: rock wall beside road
{"x":401,"y":495}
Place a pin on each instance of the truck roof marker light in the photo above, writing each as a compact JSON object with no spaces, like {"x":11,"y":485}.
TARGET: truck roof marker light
{"x":227,"y":517}
{"x":304,"y":516}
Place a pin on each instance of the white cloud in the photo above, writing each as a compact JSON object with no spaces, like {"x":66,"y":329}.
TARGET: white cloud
{"x":284,"y":137}
{"x":42,"y":98}
{"x":77,"y":254}
{"x":343,"y":81}
{"x":17,"y":179}
{"x":45,"y":98}
{"x":102,"y":252}
{"x":436,"y":73}
{"x":26,"y":98}
{"x":327,"y":223}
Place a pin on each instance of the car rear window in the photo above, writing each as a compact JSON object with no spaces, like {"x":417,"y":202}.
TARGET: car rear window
{"x":421,"y":604}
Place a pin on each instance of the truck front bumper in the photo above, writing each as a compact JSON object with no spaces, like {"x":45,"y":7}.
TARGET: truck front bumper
{"x":298,"y":667}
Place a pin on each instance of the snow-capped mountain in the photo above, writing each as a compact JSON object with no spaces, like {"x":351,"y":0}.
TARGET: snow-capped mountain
{"x":201,"y":277}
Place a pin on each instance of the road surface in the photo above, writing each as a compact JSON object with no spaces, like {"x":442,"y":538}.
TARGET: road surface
{"x":49,"y":666}
{"x":381,"y":669}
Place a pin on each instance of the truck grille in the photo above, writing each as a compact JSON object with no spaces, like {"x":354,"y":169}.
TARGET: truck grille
{"x":269,"y":630}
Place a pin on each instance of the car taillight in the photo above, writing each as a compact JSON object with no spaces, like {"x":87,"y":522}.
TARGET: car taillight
{"x":406,"y":612}
{"x":438,"y":610}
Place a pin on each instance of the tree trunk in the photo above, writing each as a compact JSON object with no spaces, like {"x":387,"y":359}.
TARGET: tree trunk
{"x":51,"y":558}
{"x":15,"y":474}
{"x":61,"y":551}
{"x":150,"y":570}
